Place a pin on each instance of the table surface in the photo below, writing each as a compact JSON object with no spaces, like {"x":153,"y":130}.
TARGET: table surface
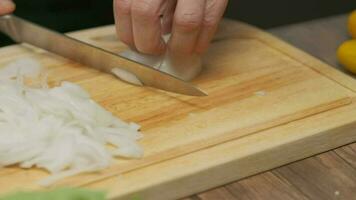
{"x":331,"y":175}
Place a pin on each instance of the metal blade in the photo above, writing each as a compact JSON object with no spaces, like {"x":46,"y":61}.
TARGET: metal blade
{"x":21,"y":30}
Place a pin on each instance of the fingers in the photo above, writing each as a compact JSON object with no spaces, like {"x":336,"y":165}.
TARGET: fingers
{"x":193,"y":24}
{"x":122,"y":11}
{"x":6,"y":7}
{"x":138,"y":24}
{"x":214,"y":11}
{"x":187,"y":22}
{"x":168,"y":14}
{"x":147,"y":26}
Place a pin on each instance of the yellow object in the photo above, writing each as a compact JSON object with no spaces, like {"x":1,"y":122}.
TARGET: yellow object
{"x":352,"y":24}
{"x":347,"y":55}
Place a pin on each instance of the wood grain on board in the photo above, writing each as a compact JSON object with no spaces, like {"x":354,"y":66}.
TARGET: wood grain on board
{"x":320,"y":38}
{"x":268,"y":104}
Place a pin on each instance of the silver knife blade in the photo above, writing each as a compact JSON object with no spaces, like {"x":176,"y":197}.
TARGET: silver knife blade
{"x":24,"y":31}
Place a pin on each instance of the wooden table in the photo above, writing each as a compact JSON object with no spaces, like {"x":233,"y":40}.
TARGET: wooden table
{"x":331,"y":175}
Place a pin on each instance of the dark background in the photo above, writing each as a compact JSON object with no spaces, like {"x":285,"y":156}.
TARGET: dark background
{"x":69,"y":15}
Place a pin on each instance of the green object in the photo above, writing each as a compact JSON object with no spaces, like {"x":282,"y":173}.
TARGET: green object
{"x":59,"y":194}
{"x":136,"y":198}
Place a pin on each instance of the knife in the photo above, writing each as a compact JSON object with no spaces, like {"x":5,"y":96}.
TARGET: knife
{"x":23,"y":31}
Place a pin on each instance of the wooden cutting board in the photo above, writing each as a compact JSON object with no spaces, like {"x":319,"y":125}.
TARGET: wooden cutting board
{"x":269,"y":104}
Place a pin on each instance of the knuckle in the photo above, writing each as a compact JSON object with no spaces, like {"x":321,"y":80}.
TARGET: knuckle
{"x":188,"y":21}
{"x":211,"y":21}
{"x":215,"y":10}
{"x":216,"y":4}
{"x":146,"y":9}
{"x":123,"y":6}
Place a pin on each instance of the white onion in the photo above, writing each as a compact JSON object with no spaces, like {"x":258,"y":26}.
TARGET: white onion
{"x":60,"y":129}
{"x":25,"y":66}
{"x":126,"y":76}
{"x":185,"y":67}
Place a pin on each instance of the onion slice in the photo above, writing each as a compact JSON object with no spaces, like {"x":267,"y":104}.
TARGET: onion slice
{"x":59,"y":129}
{"x":183,"y":66}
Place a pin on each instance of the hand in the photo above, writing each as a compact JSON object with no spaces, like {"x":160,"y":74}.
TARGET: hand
{"x":6,"y":7}
{"x":193,"y":23}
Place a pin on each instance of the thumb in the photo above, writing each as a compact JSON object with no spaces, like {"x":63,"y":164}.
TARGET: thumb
{"x":6,"y":7}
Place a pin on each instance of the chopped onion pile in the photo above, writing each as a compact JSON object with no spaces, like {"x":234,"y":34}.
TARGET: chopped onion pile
{"x":59,"y":129}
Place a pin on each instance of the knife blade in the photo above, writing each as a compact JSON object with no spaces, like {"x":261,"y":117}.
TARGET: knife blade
{"x":21,"y":30}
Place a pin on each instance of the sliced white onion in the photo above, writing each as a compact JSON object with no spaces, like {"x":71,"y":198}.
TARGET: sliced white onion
{"x":25,"y":66}
{"x":60,"y":129}
{"x":185,"y":67}
{"x":126,"y":76}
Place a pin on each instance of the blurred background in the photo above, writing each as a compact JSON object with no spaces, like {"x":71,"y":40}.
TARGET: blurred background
{"x":69,"y":15}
